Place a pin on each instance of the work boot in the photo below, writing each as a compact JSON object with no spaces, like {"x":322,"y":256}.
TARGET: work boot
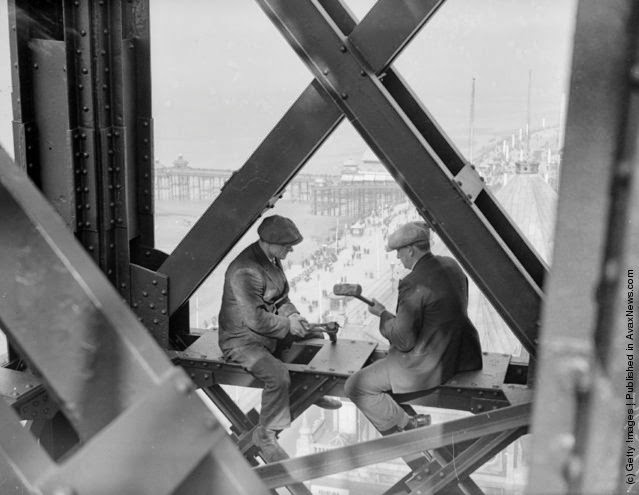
{"x":418,"y":421}
{"x":328,"y":403}
{"x":265,"y":440}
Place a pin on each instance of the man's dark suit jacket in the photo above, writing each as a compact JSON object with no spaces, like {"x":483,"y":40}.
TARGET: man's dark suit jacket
{"x":255,"y":304}
{"x":431,"y":337}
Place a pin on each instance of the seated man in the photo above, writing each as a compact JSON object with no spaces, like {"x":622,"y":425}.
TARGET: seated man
{"x":256,"y":315}
{"x":431,"y":338}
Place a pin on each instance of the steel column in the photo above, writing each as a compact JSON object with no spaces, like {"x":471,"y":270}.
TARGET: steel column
{"x":579,"y":407}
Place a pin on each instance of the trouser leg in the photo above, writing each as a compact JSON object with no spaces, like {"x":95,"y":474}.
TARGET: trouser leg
{"x":367,"y":389}
{"x":275,"y":411}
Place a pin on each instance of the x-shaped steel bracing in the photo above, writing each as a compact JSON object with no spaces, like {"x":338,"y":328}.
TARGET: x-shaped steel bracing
{"x":353,"y":78}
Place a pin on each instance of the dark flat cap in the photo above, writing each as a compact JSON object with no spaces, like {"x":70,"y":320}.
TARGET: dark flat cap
{"x":279,"y":230}
{"x":407,"y":234}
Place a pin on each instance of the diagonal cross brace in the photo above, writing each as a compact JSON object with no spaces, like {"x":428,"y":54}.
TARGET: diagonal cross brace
{"x":285,"y":150}
{"x":408,"y":156}
{"x":244,"y":197}
{"x":393,"y":446}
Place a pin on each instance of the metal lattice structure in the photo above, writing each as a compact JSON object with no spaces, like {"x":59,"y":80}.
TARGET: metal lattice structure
{"x":102,"y":358}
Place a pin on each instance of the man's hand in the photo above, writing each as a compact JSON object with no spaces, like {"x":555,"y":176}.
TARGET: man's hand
{"x":377,"y":308}
{"x":299,"y":325}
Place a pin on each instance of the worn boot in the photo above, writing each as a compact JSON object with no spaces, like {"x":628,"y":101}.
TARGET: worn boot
{"x":328,"y":403}
{"x":266,"y":440}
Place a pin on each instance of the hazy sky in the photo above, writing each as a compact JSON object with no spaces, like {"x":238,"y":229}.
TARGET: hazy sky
{"x":223,"y":75}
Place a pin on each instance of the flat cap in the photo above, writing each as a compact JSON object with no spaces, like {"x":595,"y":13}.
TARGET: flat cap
{"x":407,"y":234}
{"x":279,"y":230}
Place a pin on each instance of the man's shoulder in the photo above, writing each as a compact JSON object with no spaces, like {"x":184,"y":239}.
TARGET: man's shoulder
{"x":432,"y":265}
{"x":246,"y":259}
{"x":448,"y":262}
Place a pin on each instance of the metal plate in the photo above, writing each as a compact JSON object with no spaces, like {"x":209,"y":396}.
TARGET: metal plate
{"x":204,"y":347}
{"x":150,"y":301}
{"x":345,"y":357}
{"x":492,"y":375}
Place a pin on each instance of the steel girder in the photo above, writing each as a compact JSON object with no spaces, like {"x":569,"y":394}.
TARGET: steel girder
{"x":262,"y":179}
{"x":579,"y":406}
{"x":102,"y":367}
{"x":409,"y":157}
{"x":396,"y":445}
{"x":82,"y":120}
{"x":348,"y":62}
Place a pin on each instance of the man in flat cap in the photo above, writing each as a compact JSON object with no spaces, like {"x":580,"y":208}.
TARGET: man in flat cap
{"x":256,"y":314}
{"x":431,"y":338}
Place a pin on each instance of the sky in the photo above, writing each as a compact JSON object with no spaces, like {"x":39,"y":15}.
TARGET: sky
{"x":222,"y":75}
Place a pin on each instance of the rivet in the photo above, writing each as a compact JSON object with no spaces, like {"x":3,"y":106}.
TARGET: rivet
{"x":154,"y":282}
{"x":342,"y":49}
{"x":86,"y":109}
{"x":163,"y":311}
{"x":344,"y":96}
{"x":35,"y":66}
{"x":325,"y":72}
{"x":152,"y":306}
{"x":155,"y":321}
{"x":85,"y":70}
{"x":362,"y":73}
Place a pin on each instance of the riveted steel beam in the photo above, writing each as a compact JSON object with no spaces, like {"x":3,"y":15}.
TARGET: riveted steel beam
{"x":580,"y":408}
{"x":22,"y":460}
{"x":393,"y":446}
{"x":389,"y":131}
{"x":82,"y":120}
{"x":83,"y":339}
{"x":462,"y":464}
{"x":100,"y":365}
{"x":277,"y":160}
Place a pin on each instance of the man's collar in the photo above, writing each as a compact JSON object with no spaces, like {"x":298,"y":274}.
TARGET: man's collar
{"x":424,"y":257}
